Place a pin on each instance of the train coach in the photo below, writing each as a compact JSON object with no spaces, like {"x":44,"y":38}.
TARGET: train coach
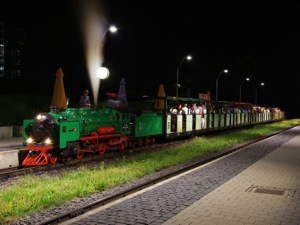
{"x":206,"y":116}
{"x":76,"y":132}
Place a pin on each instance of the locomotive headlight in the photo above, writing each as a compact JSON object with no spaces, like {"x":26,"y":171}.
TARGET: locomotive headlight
{"x":39,"y":117}
{"x":29,"y":140}
{"x":48,"y":141}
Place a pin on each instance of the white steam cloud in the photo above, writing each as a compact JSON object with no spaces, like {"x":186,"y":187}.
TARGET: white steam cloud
{"x":93,"y":27}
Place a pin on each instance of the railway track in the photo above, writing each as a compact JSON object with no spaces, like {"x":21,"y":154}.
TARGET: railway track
{"x":106,"y":158}
{"x":109,"y":155}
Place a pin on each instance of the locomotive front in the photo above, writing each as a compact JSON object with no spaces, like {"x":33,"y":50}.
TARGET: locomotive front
{"x":44,"y":130}
{"x":41,"y":138}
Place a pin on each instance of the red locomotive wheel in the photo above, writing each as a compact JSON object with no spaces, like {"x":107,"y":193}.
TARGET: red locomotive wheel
{"x":79,"y":155}
{"x":147,"y":141}
{"x":101,"y":152}
{"x":121,"y":146}
{"x":140,"y":143}
{"x":52,"y":159}
{"x":102,"y":148}
{"x":153,"y":141}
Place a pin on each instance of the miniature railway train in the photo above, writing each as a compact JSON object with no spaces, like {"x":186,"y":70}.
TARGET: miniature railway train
{"x":60,"y":136}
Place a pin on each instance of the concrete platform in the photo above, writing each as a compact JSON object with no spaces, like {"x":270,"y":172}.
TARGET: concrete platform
{"x":268,"y":192}
{"x":8,"y":143}
{"x":9,"y":159}
{"x":10,"y":152}
{"x":257,"y":185}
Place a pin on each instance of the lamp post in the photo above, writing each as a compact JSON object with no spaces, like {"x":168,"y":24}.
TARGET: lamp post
{"x":246,"y":79}
{"x":177,"y":84}
{"x":111,"y":29}
{"x":217,"y":82}
{"x":102,"y":72}
{"x":261,"y":84}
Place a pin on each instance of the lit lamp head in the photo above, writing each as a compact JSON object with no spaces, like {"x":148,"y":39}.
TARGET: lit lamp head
{"x":102,"y":73}
{"x":113,"y":29}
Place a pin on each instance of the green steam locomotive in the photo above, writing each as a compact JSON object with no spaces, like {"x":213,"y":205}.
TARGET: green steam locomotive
{"x":75,"y":132}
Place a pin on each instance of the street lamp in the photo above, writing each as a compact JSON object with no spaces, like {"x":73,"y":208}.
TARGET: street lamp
{"x":177,"y":84}
{"x":246,"y":79}
{"x":217,"y":82}
{"x":261,"y":84}
{"x":111,"y":29}
{"x":102,"y":73}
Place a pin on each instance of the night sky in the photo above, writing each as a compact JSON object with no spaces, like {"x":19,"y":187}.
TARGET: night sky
{"x":249,"y":38}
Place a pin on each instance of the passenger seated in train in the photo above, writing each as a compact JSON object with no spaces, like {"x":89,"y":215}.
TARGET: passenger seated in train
{"x":185,"y":109}
{"x":173,"y":110}
{"x":180,"y":109}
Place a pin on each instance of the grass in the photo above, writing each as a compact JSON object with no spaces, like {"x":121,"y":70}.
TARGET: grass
{"x":31,"y":194}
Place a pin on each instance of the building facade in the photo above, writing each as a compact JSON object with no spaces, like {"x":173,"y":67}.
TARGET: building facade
{"x":11,"y":51}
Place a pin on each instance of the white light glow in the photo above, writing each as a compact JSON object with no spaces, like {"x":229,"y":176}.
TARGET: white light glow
{"x":29,"y":140}
{"x":93,"y":29}
{"x":39,"y":117}
{"x":103,"y":73}
{"x":113,"y":29}
{"x":48,"y":141}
